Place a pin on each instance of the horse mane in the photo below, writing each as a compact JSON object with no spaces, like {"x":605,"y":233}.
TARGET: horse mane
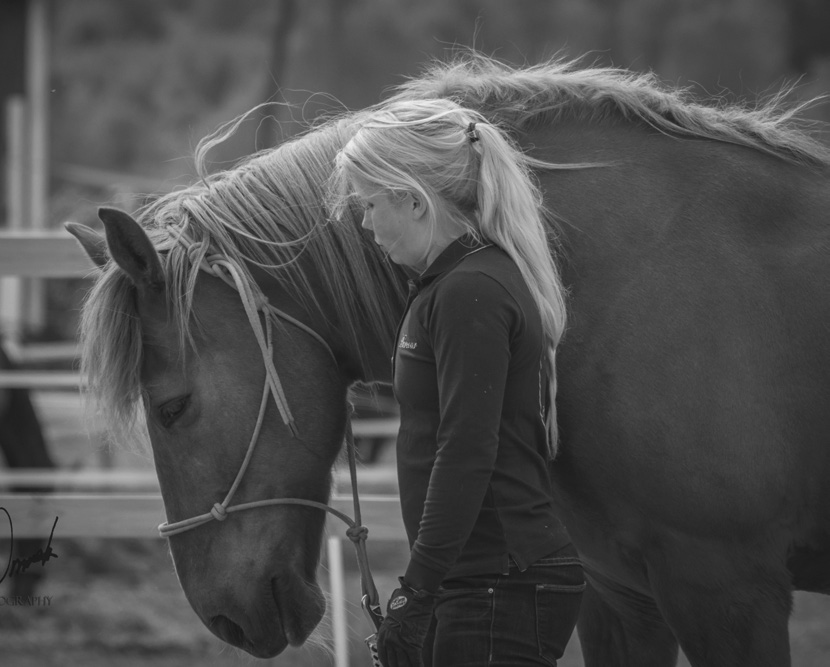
{"x":520,"y":99}
{"x":266,"y":212}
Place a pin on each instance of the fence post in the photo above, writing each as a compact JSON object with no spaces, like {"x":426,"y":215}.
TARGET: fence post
{"x":37,"y":92}
{"x":340,"y":630}
{"x":11,"y":287}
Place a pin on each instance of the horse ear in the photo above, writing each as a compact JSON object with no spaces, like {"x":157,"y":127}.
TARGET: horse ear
{"x":92,"y":242}
{"x":132,"y":250}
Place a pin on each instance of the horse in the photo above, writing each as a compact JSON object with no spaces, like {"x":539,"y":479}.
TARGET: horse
{"x":693,"y":378}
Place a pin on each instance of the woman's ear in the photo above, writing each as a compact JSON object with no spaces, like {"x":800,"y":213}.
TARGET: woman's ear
{"x":419,"y":207}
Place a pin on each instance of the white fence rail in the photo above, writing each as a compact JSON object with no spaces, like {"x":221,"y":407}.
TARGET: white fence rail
{"x":42,"y":254}
{"x":137,"y":515}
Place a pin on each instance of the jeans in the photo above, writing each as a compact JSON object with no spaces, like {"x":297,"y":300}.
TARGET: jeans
{"x":512,"y":620}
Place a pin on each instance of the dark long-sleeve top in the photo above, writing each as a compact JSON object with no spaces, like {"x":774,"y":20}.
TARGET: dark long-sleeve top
{"x":470,"y":376}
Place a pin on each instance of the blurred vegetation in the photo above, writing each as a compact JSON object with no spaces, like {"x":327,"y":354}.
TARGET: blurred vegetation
{"x":136,"y":83}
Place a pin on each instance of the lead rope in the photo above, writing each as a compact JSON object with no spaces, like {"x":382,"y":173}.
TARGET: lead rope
{"x":358,"y":533}
{"x":253,"y":302}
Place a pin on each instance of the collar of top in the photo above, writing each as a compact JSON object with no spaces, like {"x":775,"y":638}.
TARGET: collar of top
{"x":449,"y":257}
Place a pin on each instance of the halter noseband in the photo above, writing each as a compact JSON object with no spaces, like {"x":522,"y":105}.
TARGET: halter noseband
{"x":254,"y":301}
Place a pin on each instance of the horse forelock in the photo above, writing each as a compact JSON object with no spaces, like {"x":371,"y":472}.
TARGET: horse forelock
{"x":111,"y":354}
{"x":521,"y":98}
{"x":266,"y":212}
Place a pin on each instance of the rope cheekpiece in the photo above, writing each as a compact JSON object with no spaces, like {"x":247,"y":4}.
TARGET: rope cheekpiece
{"x":254,"y":301}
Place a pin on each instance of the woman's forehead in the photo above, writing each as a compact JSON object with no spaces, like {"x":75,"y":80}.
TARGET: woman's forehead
{"x":364,"y":189}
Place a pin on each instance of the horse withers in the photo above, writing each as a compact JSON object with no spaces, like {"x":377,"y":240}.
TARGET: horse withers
{"x":694,"y":377}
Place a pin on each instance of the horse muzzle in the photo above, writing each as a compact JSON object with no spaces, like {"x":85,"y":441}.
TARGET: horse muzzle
{"x":284,"y":614}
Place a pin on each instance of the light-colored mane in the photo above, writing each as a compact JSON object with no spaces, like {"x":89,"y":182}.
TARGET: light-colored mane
{"x":523,"y":98}
{"x":269,"y":210}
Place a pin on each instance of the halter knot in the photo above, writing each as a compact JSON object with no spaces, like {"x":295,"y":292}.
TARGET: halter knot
{"x":213,"y":267}
{"x":260,"y":301}
{"x":219,"y":512}
{"x":357,"y":533}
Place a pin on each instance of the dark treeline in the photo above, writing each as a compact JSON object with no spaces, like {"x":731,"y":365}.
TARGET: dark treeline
{"x":138,"y":82}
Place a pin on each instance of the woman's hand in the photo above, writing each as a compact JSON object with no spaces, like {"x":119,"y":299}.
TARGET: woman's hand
{"x":401,"y":635}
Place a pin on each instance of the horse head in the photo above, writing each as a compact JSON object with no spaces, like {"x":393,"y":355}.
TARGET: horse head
{"x":251,"y":578}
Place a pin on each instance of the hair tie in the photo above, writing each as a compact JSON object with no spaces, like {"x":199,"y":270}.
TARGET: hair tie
{"x":472,"y":133}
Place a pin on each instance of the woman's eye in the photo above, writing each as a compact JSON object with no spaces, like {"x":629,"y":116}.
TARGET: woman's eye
{"x":171,"y":411}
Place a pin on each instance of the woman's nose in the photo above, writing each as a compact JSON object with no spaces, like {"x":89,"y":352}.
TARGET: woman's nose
{"x":365,"y":223}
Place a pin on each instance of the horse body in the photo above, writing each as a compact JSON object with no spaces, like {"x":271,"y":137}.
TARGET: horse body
{"x":693,"y":390}
{"x":693,"y":381}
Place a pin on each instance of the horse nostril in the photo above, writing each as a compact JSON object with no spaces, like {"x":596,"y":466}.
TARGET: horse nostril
{"x":228,"y":630}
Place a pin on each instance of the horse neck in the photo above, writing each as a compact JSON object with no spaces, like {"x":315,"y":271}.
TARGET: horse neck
{"x":703,"y":206}
{"x":647,"y":182}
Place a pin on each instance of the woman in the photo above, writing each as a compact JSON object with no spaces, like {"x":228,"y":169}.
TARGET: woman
{"x":493,"y":578}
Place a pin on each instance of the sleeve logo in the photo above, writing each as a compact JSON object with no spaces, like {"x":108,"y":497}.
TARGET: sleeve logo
{"x":407,"y":343}
{"x":397,"y":603}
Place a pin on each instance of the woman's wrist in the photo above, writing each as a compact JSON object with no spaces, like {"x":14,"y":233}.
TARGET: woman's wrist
{"x":421,"y":578}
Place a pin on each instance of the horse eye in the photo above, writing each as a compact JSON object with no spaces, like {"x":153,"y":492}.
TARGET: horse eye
{"x":172,"y":410}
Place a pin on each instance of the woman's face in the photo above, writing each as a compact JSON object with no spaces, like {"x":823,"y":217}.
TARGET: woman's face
{"x":398,"y":223}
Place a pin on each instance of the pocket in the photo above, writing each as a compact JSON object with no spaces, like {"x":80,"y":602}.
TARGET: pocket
{"x":480,"y":589}
{"x":469,"y":584}
{"x":464,"y":620}
{"x":452,"y":593}
{"x":557,"y":608}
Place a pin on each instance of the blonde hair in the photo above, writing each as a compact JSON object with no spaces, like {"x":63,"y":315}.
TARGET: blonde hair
{"x":472,"y":174}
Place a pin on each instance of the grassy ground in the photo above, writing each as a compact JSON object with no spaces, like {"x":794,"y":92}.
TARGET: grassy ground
{"x":116,"y":603}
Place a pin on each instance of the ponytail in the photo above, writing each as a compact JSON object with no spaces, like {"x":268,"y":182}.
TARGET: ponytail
{"x":510,"y":214}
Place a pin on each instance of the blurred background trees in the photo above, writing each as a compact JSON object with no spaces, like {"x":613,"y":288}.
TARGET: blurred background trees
{"x":136,"y":83}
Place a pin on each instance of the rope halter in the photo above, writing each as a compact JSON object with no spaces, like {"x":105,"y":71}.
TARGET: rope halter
{"x":254,"y":302}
